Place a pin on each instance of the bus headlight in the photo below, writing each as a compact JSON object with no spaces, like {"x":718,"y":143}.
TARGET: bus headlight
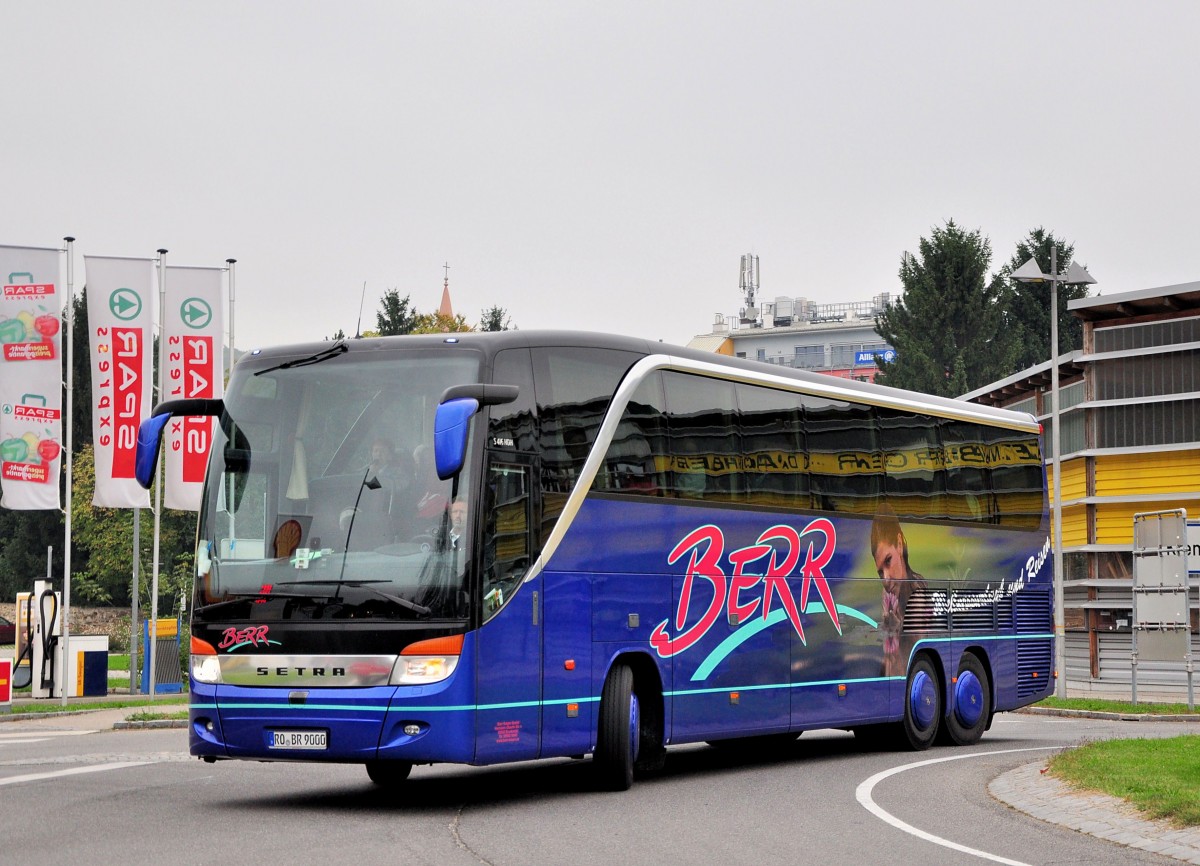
{"x":427,"y":661}
{"x":206,"y":667}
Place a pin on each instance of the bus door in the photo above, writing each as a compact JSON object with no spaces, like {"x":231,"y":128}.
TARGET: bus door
{"x":509,"y":663}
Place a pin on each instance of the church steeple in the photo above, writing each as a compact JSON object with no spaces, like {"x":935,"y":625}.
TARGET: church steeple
{"x":445,"y":309}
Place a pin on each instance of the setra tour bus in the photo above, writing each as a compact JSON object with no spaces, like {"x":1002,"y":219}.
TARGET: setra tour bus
{"x":490,"y":547}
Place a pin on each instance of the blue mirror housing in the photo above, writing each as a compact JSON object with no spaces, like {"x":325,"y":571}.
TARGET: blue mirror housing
{"x":148,"y":441}
{"x":451,"y":425}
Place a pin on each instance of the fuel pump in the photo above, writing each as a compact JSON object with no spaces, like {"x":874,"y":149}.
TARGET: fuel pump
{"x":47,"y":669}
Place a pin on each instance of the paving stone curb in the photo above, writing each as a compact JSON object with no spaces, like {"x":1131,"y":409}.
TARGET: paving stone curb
{"x":1112,"y":717}
{"x":1031,"y":790}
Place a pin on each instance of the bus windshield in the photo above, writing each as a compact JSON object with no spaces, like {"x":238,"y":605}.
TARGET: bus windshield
{"x":322,"y":500}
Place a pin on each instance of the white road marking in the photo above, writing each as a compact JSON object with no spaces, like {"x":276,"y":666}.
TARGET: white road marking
{"x":45,"y":735}
{"x":22,"y":742}
{"x":75,"y":771}
{"x":863,"y":795}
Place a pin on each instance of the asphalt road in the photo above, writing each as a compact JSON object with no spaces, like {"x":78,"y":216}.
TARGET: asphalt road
{"x":134,"y":797}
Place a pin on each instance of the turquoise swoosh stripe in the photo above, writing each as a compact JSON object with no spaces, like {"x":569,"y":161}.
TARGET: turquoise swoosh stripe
{"x":753,"y":627}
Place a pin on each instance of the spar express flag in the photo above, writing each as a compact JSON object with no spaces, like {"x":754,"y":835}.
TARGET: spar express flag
{"x":120,"y":321}
{"x":31,"y":372}
{"x":191,"y":368}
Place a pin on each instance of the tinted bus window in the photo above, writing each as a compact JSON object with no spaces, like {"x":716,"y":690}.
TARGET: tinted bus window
{"x":968,"y":479}
{"x":1017,"y":476}
{"x":574,"y":388}
{"x":637,"y":458}
{"x":514,"y":425}
{"x":914,"y":465}
{"x":774,"y":464}
{"x":705,"y":446}
{"x":845,"y":461}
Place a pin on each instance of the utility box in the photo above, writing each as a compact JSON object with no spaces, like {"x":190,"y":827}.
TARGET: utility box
{"x":168,"y":679}
{"x":87,"y":670}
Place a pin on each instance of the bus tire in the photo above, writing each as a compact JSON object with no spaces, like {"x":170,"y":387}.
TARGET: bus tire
{"x":619,"y":732}
{"x":388,"y":773}
{"x":971,"y":709}
{"x":922,"y":705}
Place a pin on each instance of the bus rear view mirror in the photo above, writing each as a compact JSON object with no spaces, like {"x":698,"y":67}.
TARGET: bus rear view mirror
{"x":450,"y":428}
{"x":149,"y":438}
{"x":452,"y":422}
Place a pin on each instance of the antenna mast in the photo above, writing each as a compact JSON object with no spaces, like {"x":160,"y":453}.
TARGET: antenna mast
{"x":362,"y":297}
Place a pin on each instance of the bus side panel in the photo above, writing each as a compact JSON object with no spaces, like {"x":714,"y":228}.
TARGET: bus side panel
{"x":509,"y":679}
{"x":569,"y":702}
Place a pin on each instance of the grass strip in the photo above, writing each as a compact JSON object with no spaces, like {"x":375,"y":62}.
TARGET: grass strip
{"x":1106,"y":706}
{"x":147,"y":716}
{"x":1160,"y":777}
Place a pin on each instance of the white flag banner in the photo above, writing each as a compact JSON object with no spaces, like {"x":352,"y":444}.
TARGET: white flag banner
{"x":121,"y":323}
{"x":31,"y":377}
{"x":191,"y":368}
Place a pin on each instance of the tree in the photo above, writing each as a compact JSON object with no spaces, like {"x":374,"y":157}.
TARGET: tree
{"x":340,"y":335}
{"x":396,"y":317}
{"x":438,"y":323}
{"x":103,"y":573}
{"x":1028,"y":304}
{"x":495,"y":319}
{"x":948,"y":329}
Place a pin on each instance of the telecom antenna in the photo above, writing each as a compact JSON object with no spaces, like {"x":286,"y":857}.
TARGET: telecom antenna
{"x":748,"y":283}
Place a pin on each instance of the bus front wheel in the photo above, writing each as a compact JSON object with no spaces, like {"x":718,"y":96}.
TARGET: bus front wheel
{"x":619,"y":732}
{"x":922,"y":705}
{"x":972,"y":703}
{"x":388,"y":773}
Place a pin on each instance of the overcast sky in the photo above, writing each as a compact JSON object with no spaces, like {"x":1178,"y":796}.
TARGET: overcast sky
{"x":594,"y":165}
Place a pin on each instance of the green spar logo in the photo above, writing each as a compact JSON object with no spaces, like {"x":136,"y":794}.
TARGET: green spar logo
{"x":125,"y":304}
{"x":195,"y":313}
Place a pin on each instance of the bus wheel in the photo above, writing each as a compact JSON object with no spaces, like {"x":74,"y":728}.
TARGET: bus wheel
{"x":972,"y":708}
{"x":388,"y":773}
{"x":922,"y":705}
{"x":618,"y":736}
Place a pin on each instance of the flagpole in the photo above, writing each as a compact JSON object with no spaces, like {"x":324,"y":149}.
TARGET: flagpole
{"x":232,"y":359}
{"x":69,"y":463}
{"x":152,"y":629}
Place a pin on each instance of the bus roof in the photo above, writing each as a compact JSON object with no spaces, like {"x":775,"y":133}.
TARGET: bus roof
{"x":489,"y":343}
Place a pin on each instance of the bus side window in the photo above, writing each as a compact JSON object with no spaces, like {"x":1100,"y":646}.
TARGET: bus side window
{"x":508,"y":504}
{"x":845,"y":461}
{"x":706,"y":447}
{"x":775,"y":467}
{"x":914,"y":463}
{"x":637,"y":455}
{"x":969,"y":491}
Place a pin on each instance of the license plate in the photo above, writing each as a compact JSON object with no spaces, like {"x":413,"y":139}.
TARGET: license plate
{"x":299,"y":740}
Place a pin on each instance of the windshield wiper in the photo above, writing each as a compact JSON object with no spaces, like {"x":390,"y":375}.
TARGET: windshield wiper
{"x":333,"y":351}
{"x":363,"y":584}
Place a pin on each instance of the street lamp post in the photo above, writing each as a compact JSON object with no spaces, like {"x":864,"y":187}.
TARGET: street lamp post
{"x":1031,"y":272}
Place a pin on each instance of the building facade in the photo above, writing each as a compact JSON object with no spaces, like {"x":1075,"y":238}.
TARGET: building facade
{"x":836,"y":339}
{"x":1130,"y":439}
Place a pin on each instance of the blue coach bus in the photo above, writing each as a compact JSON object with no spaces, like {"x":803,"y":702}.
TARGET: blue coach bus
{"x":481,"y":548}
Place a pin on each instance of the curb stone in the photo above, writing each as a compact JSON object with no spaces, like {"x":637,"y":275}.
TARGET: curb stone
{"x":1031,"y":790}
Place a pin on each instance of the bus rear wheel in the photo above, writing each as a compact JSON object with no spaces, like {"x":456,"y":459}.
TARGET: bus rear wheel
{"x":972,"y":706}
{"x":619,"y":733}
{"x":388,"y":773}
{"x":922,"y":705}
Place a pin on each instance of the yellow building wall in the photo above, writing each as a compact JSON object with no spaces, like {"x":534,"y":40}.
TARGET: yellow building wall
{"x":1114,"y":520}
{"x":1074,"y":479}
{"x":1156,"y":472}
{"x":1075,"y":530}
